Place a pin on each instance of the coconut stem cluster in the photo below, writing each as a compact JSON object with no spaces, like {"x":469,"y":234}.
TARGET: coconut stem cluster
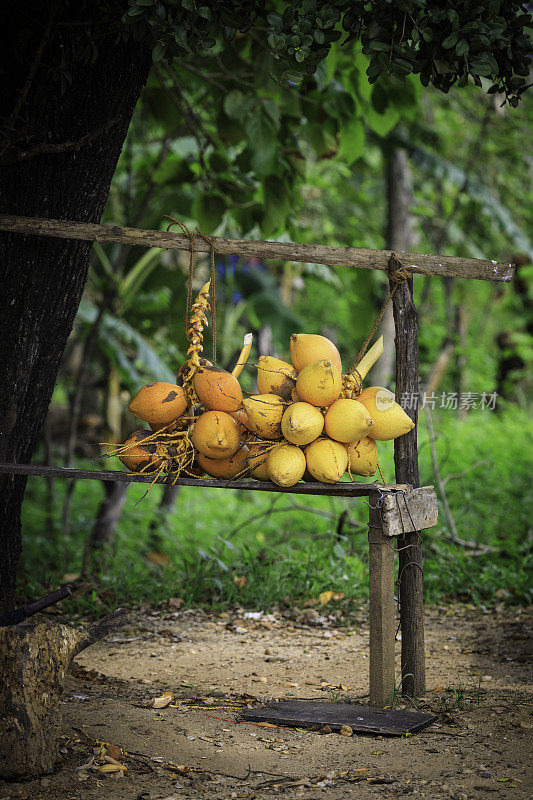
{"x":307,"y":421}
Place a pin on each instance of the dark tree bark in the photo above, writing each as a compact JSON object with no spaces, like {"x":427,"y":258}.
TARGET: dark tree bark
{"x":166,"y":504}
{"x":58,"y":156}
{"x":102,"y":534}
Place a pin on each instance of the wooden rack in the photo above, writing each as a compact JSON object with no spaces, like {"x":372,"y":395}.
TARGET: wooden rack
{"x":397,"y":512}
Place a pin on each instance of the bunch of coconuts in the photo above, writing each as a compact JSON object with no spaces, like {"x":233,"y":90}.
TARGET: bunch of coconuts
{"x":308,"y":421}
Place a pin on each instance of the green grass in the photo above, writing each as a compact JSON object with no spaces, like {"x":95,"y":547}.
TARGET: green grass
{"x":287,"y":556}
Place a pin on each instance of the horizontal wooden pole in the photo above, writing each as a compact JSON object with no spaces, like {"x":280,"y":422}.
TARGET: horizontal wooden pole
{"x":344,"y":489}
{"x":358,"y":257}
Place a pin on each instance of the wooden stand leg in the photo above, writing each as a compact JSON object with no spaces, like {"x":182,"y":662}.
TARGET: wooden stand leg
{"x":412,"y":615}
{"x":406,"y":469}
{"x":381,"y":584}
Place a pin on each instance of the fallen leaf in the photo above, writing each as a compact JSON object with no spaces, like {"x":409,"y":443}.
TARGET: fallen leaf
{"x":325,"y":597}
{"x":163,"y":701}
{"x":111,"y":760}
{"x":112,"y":768}
{"x":346,"y":731}
{"x":160,"y":559}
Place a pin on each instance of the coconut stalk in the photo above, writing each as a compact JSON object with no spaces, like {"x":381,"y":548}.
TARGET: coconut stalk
{"x":243,"y":358}
{"x":197,"y":321}
{"x":353,"y":380}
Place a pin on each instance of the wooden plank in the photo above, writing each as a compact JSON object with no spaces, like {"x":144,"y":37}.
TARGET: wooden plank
{"x":318,"y":713}
{"x":410,"y":511}
{"x":344,"y":489}
{"x":411,"y":575}
{"x":381,"y":591}
{"x":357,"y":257}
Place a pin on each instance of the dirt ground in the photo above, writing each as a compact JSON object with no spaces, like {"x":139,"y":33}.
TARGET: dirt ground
{"x":477,"y":678}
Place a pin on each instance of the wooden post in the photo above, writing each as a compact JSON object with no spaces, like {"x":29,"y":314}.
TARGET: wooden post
{"x":411,"y":576}
{"x":381,"y":586}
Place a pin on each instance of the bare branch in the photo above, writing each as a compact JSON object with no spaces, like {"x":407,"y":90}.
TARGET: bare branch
{"x":453,"y":475}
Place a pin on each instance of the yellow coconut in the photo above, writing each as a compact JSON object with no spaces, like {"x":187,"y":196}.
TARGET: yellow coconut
{"x":390,"y":420}
{"x":217,"y":389}
{"x":216,"y":435}
{"x":326,"y":460}
{"x":159,"y":403}
{"x":319,"y":383}
{"x":138,"y":456}
{"x":275,"y":377}
{"x":224,"y":467}
{"x":286,"y":465}
{"x":363,"y":457}
{"x":264,"y":413}
{"x":302,"y":423}
{"x":257,"y":461}
{"x":308,"y":347}
{"x":294,"y":396}
{"x":347,"y":421}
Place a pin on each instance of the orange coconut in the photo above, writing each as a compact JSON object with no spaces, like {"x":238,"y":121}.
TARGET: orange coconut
{"x":216,"y":435}
{"x":159,"y":403}
{"x":242,"y":420}
{"x":183,"y":370}
{"x":224,"y":467}
{"x":138,"y":456}
{"x":217,"y":389}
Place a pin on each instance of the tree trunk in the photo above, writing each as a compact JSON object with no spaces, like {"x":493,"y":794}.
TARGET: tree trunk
{"x":109,"y":513}
{"x":166,"y":504}
{"x":34,"y":658}
{"x":72,"y":143}
{"x":399,"y":236}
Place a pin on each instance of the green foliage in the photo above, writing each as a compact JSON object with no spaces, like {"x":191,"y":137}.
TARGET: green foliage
{"x":443,"y":42}
{"x":135,"y":359}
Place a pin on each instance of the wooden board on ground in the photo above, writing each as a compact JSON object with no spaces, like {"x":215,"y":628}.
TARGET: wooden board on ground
{"x":404,"y":512}
{"x":317,"y":714}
